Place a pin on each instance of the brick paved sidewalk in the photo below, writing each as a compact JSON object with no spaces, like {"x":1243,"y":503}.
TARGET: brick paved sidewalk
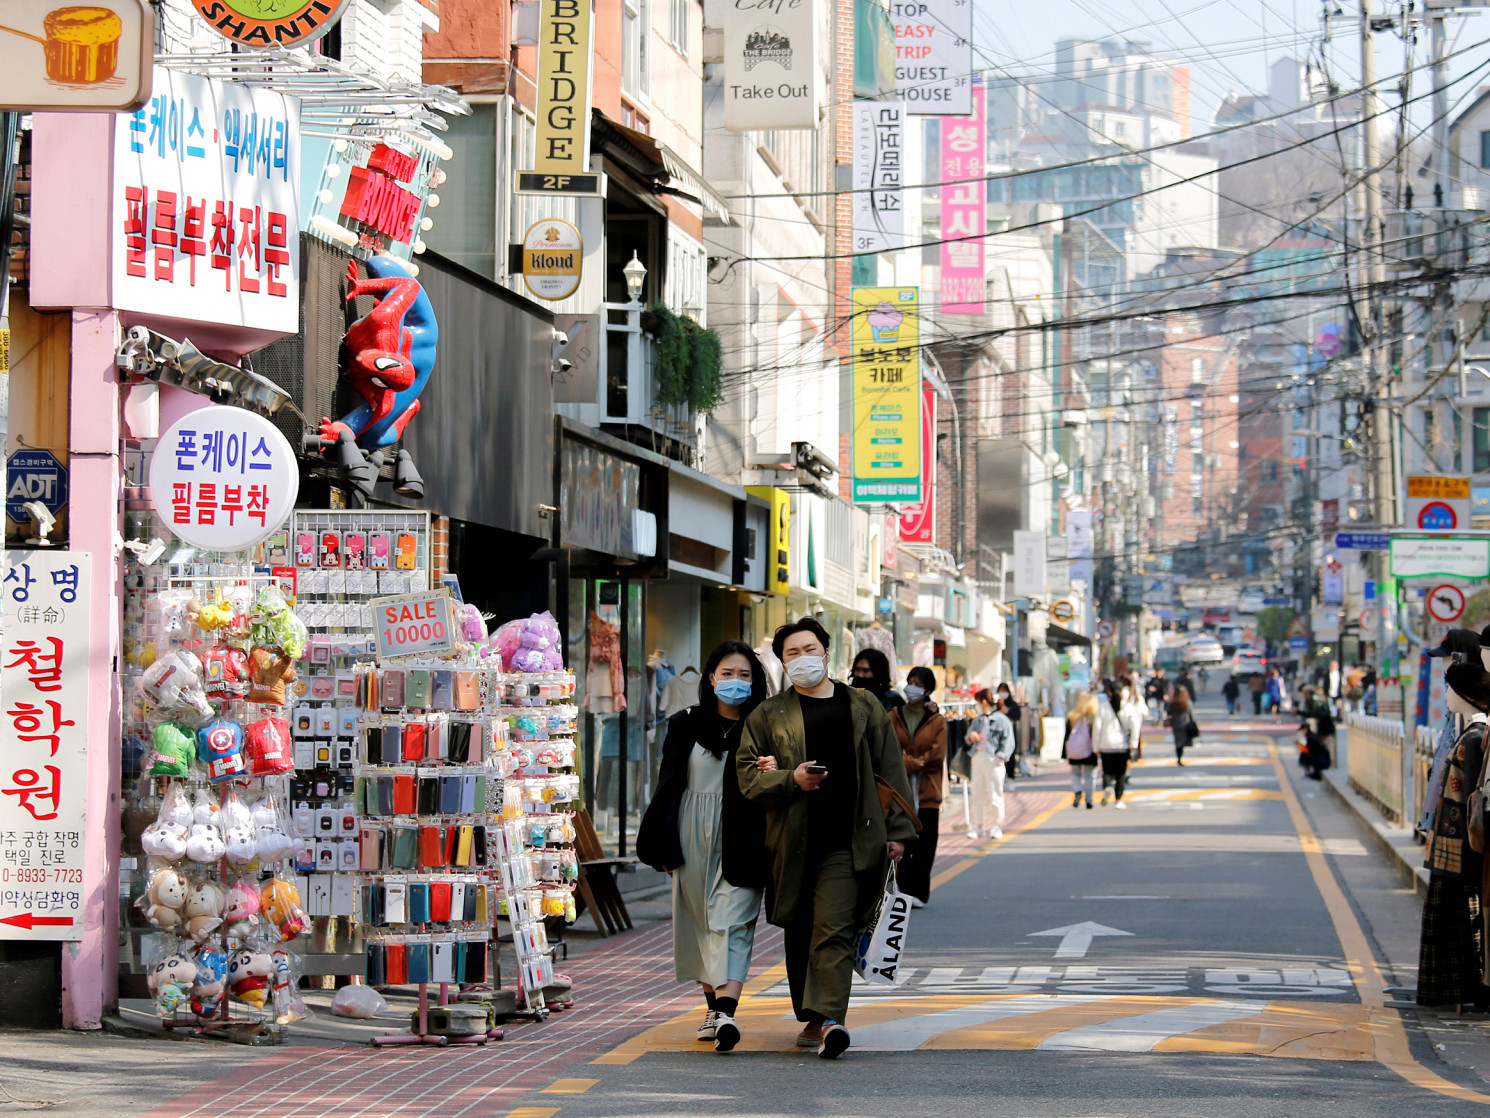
{"x":622,"y":988}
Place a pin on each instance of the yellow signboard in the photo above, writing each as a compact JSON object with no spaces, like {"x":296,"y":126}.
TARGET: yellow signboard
{"x":778,"y":559}
{"x":887,"y":395}
{"x":566,"y":55}
{"x":1443,"y":488}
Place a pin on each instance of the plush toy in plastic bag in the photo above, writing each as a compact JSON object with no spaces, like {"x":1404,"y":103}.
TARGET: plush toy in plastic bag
{"x":170,"y":613}
{"x":268,"y":747}
{"x":269,"y":673}
{"x":237,"y":823}
{"x":280,"y":904}
{"x":227,"y":673}
{"x":171,"y":978}
{"x":175,"y":749}
{"x":240,"y":915}
{"x":211,"y":617}
{"x":539,"y":649}
{"x":203,"y":910}
{"x":274,"y":832}
{"x":164,"y":899}
{"x":251,"y":975}
{"x":289,"y":1006}
{"x":174,"y":682}
{"x":211,"y":983}
{"x":220,"y":748}
{"x":273,"y":624}
{"x":205,"y":842}
{"x":472,"y":623}
{"x":360,"y":1002}
{"x":166,"y":837}
{"x":507,"y":640}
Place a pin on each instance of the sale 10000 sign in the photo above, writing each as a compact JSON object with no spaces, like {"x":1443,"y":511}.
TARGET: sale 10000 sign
{"x":414,"y":624}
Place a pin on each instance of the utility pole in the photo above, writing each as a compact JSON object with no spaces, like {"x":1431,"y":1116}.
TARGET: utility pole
{"x":1373,"y":278}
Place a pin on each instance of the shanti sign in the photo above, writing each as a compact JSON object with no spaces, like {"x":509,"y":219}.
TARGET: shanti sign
{"x":44,"y":744}
{"x":69,"y":57}
{"x":413,"y":624}
{"x":887,"y":395}
{"x":553,"y":257}
{"x":223,"y":478}
{"x":263,"y":24}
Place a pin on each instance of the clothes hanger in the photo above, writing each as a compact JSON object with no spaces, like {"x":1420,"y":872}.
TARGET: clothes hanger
{"x":689,"y":668}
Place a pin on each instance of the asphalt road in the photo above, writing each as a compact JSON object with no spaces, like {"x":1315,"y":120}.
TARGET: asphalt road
{"x":1211,"y":950}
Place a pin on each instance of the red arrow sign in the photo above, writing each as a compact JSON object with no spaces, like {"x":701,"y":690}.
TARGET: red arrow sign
{"x":29,"y":920}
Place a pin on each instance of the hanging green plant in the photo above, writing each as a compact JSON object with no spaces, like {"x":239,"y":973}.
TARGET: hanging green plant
{"x":687,"y":361}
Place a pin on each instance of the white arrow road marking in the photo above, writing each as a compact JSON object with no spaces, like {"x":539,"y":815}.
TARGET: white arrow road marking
{"x":1076,"y":939}
{"x":1144,"y":1032}
{"x":910,"y":1033}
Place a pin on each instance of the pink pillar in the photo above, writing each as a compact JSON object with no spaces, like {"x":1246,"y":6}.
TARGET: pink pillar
{"x":90,"y":967}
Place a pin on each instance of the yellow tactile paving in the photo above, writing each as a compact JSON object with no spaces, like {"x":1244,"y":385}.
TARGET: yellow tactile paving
{"x":1175,"y":794}
{"x":569,"y":1086}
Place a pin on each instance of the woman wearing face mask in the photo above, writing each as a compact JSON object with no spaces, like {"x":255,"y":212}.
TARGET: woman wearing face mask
{"x":871,"y":672}
{"x":922,"y":731}
{"x":701,"y":829}
{"x":1004,"y":700}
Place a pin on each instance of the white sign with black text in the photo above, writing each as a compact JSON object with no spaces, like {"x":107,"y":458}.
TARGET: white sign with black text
{"x":771,"y":76}
{"x":879,"y":144}
{"x":934,"y":56}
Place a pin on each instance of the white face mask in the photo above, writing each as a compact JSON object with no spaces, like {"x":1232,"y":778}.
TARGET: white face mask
{"x":807,"y":671}
{"x":914,"y":694}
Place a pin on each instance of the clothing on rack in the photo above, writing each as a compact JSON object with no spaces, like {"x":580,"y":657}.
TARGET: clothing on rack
{"x":680,"y":692}
{"x":606,"y":689}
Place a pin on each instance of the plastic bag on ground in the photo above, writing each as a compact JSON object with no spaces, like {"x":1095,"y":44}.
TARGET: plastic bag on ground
{"x":358,"y":1001}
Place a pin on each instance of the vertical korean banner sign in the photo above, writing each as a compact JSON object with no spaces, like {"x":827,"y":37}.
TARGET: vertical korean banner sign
{"x":964,"y":290}
{"x":918,"y":523}
{"x":43,"y":744}
{"x":206,"y":204}
{"x":887,"y":397}
{"x":879,"y":216}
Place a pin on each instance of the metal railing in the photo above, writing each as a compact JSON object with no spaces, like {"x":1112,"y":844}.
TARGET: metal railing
{"x":1374,"y":761}
{"x":1424,"y":745}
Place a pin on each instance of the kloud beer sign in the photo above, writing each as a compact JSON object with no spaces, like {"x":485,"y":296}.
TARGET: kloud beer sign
{"x":553,"y":257}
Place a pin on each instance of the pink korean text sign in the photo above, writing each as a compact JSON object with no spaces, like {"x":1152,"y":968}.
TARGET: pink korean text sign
{"x":43,"y":743}
{"x":918,"y":521}
{"x":205,"y":210}
{"x":964,"y":219}
{"x":223,"y":479}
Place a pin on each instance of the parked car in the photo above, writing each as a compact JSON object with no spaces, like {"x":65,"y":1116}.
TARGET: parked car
{"x":1232,"y":637}
{"x":1252,"y":598}
{"x":1215,"y":615}
{"x":1248,"y":661}
{"x":1204,"y":649}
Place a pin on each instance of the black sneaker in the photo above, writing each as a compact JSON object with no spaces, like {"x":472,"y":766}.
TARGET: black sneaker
{"x":835,"y":1041}
{"x":726,"y":1032}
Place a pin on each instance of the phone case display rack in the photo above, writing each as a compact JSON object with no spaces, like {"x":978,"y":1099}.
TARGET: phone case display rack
{"x":210,"y":644}
{"x":462,"y":777}
{"x":341,"y":560}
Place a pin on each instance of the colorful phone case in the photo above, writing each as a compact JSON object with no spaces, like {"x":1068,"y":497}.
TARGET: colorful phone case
{"x":418,"y":689}
{"x":442,"y":690}
{"x":404,"y":560}
{"x":277,"y":548}
{"x":467,"y":691}
{"x":330,"y":549}
{"x":305,"y":549}
{"x":378,"y":551}
{"x":356,"y":551}
{"x":393,"y":689}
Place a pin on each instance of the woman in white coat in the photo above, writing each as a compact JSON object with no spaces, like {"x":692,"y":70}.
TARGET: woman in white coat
{"x":1113,"y":735}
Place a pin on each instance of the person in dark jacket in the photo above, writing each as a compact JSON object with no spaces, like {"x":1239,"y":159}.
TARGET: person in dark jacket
{"x":871,"y":671}
{"x":1004,"y":700}
{"x":922,"y":730}
{"x":702,"y":830}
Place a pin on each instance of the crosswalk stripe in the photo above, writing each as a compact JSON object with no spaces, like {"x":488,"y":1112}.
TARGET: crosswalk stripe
{"x":1142,"y":1033}
{"x":905,"y":1035}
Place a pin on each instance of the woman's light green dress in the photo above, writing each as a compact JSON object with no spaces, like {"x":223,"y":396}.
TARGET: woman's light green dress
{"x":713,"y":921}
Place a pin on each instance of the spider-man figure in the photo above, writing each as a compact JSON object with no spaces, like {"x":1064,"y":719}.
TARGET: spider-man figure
{"x":390,"y":355}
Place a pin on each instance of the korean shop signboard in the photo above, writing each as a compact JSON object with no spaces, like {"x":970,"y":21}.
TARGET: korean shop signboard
{"x":566,"y":59}
{"x":56,"y":57}
{"x":879,"y":143}
{"x":277,"y":23}
{"x":934,"y":56}
{"x":205,"y":208}
{"x":770,"y":64}
{"x":375,"y":195}
{"x":223,"y":479}
{"x":886,"y":395}
{"x":44,"y":743}
{"x":964,"y":287}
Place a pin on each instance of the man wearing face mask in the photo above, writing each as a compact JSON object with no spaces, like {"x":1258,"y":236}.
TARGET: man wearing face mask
{"x":810,"y":756}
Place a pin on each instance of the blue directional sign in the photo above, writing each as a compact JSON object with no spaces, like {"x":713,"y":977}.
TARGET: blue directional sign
{"x":1276,"y":601}
{"x":1298,"y":644}
{"x":1363,"y":541}
{"x":34,"y":475}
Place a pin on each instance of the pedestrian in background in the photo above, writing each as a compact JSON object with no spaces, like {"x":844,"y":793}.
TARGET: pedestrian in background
{"x":1231,"y":691}
{"x":1181,"y":720}
{"x":991,"y":737}
{"x":922,"y":730}
{"x":1273,"y":690}
{"x":1156,"y":693}
{"x":871,"y":671}
{"x":823,"y":744}
{"x":1256,"y":685}
{"x":1014,"y":713}
{"x":1079,"y":749}
{"x":1113,"y":733}
{"x":702,"y":830}
{"x":1133,"y":720}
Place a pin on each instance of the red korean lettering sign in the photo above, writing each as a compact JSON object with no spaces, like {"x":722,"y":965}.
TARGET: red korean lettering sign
{"x":44,"y":662}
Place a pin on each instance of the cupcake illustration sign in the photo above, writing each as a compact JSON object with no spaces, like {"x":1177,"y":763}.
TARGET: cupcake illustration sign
{"x":887,"y":395}
{"x":75,"y":57}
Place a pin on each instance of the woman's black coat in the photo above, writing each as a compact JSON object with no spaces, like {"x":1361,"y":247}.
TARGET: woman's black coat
{"x":743,"y":824}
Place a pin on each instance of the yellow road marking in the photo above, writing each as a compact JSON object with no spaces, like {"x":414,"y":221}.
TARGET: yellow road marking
{"x":533,"y":1112}
{"x":1389,"y":1036}
{"x":569,"y":1086}
{"x":972,"y":860}
{"x":1197,"y":762}
{"x":1204,"y":794}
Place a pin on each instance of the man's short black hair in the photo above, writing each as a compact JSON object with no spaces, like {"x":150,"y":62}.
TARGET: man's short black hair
{"x":801,"y":625}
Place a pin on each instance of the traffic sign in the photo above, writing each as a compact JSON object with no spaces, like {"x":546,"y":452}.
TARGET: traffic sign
{"x":1445,"y":602}
{"x":1105,"y":629}
{"x":1062,"y":610}
{"x":1298,"y":629}
{"x":1437,"y":516}
{"x":34,"y":475}
{"x":1276,"y":601}
{"x":1363,"y":541}
{"x":1298,"y":644}
{"x":1437,"y":504}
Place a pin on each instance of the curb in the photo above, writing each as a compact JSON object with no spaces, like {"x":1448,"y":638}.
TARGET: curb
{"x":1398,"y":843}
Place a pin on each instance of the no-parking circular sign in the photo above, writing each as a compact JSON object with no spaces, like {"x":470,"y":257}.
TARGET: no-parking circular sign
{"x":1445,"y":603}
{"x":1438,"y":516}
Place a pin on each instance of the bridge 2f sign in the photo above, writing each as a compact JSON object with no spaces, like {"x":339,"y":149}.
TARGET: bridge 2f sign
{"x":1437,"y":504}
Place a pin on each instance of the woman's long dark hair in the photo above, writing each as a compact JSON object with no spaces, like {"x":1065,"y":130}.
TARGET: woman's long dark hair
{"x":879,"y":665}
{"x":708,"y":702}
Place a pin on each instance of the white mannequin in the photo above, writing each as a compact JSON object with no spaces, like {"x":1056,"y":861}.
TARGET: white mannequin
{"x":1460,"y":705}
{"x":1485,"y":657}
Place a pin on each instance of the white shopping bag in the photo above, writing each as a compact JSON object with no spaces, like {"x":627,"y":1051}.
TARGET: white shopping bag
{"x":881,"y":942}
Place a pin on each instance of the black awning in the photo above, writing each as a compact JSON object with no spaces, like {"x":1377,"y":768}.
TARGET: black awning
{"x":1057,"y":637}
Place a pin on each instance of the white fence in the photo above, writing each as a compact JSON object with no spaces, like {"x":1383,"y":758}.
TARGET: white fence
{"x":1375,"y":762}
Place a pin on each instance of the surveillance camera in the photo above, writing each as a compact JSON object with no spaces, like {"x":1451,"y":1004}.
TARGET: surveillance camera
{"x":560,"y":339}
{"x":148,"y":554}
{"x":44,"y":520}
{"x":561,"y":366}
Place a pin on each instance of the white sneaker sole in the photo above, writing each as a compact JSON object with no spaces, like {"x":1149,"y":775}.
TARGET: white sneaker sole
{"x":726,"y":1036}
